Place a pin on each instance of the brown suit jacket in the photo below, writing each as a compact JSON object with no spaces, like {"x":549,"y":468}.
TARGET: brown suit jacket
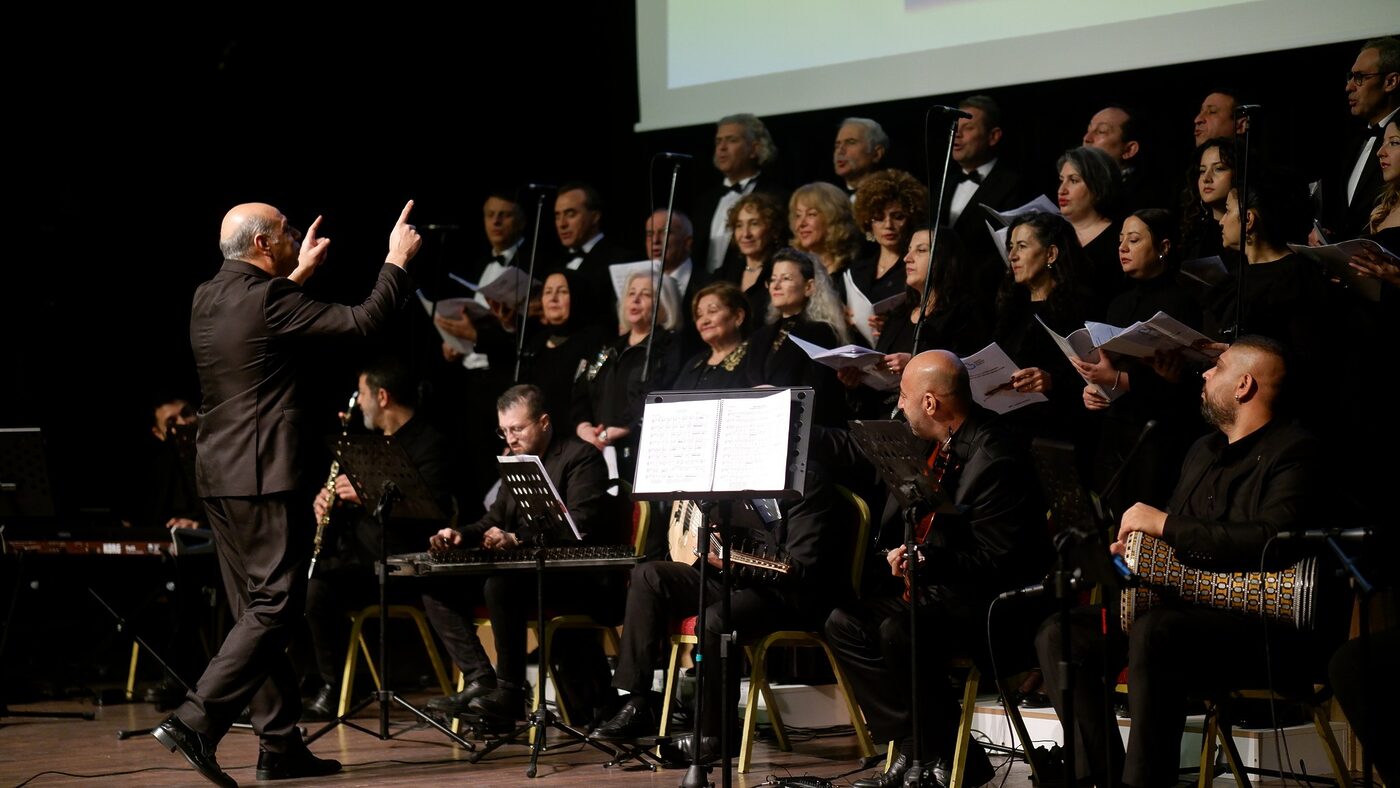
{"x":246,"y":329}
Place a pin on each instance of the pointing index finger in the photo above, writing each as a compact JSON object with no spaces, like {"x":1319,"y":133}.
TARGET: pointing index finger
{"x":403,"y":217}
{"x":312,"y":231}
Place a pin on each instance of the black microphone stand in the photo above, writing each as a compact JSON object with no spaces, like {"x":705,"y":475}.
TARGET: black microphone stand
{"x":934,"y":209}
{"x":1242,"y":156}
{"x":656,"y":282}
{"x":530,"y":281}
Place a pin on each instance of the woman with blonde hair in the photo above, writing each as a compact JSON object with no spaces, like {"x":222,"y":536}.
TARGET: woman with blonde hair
{"x":824,"y":226}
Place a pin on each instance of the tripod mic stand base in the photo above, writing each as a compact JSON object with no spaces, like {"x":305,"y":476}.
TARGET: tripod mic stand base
{"x":697,"y":776}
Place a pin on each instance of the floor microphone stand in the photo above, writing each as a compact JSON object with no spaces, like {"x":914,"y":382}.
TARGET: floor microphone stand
{"x":934,"y":208}
{"x":656,"y":281}
{"x":525,"y":307}
{"x":1364,"y":590}
{"x":698,"y":775}
{"x":1247,"y":112}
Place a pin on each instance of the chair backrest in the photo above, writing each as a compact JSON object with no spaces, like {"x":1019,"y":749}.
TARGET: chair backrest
{"x":861,"y":534}
{"x":638,"y":517}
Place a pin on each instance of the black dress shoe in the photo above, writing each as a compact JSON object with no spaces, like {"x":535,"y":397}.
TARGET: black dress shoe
{"x":323,"y":706}
{"x":458,"y":702}
{"x":1035,"y":700}
{"x":198,"y":750}
{"x":292,"y":765}
{"x":502,"y":703}
{"x":634,"y":720}
{"x":979,"y":770}
{"x":681,"y":750}
{"x":890,"y":779}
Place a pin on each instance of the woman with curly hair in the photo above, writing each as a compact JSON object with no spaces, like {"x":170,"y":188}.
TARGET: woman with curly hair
{"x":888,"y":205}
{"x":758,"y":223}
{"x":823,"y":225}
{"x":803,"y":304}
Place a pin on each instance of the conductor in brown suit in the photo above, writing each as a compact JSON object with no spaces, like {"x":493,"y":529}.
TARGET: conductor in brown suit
{"x":248,"y":327}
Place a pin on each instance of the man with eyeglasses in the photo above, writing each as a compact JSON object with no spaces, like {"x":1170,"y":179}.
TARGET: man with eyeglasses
{"x":581,"y":477}
{"x":1373,"y":95}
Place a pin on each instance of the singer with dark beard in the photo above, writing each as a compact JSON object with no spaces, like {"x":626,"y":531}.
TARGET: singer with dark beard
{"x":248,"y":327}
{"x":1254,"y":477}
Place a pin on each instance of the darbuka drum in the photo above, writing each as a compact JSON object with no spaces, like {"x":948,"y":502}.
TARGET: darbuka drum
{"x":1285,"y":596}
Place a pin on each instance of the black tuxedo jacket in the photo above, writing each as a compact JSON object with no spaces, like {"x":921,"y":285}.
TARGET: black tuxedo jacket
{"x":1001,"y":189}
{"x":704,"y":213}
{"x":1342,"y":219}
{"x":248,"y":330}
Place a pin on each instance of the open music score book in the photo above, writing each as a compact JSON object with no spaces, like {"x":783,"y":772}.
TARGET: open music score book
{"x":453,"y":308}
{"x":619,"y":273}
{"x":1336,"y":259}
{"x":1141,"y":340}
{"x":989,"y":370}
{"x":511,"y":466}
{"x":510,"y":287}
{"x":719,"y":445}
{"x":862,"y":358}
{"x":862,"y":308}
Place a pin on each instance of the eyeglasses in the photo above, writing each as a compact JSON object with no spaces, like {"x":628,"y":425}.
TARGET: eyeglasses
{"x":1358,"y":77}
{"x":516,"y":430}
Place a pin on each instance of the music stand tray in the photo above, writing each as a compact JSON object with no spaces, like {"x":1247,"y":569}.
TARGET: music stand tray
{"x":387,"y":482}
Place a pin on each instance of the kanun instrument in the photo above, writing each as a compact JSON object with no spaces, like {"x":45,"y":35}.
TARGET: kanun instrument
{"x":480,"y":561}
{"x":1286,"y":596}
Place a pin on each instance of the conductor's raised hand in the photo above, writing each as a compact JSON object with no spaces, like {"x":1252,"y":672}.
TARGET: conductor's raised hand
{"x":312,"y":253}
{"x":404,"y":240}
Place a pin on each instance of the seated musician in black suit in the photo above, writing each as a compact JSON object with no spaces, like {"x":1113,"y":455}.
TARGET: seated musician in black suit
{"x":1254,"y":477}
{"x":998,"y":541}
{"x":817,"y":545}
{"x":343,"y":580}
{"x":581,"y":477}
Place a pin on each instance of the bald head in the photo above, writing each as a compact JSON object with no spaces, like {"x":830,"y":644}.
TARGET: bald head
{"x":934,"y":393}
{"x":258,"y":233}
{"x":1262,"y":360}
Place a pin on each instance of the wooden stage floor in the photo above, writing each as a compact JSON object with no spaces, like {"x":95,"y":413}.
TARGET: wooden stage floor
{"x":91,"y":755}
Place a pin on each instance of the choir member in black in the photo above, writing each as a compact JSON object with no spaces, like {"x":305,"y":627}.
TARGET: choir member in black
{"x":1384,"y":227}
{"x":1255,"y":476}
{"x":743,"y":148}
{"x":720,"y":311}
{"x":581,"y":478}
{"x":344,"y":578}
{"x":813,"y":531}
{"x":1044,"y":282}
{"x":1203,"y":199}
{"x":578,"y":224}
{"x":996,"y":542}
{"x":1156,"y":389}
{"x":803,"y":304}
{"x":559,"y":347}
{"x":607,"y":405}
{"x":759,"y":224}
{"x":888,"y":204}
{"x":824,"y":226}
{"x":1089,"y":194}
{"x":955,"y":318}
{"x":1285,"y":295}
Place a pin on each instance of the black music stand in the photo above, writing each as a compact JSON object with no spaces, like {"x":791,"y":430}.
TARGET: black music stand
{"x":523,"y":477}
{"x":891,"y":447}
{"x":386,"y":481}
{"x":717,"y":497}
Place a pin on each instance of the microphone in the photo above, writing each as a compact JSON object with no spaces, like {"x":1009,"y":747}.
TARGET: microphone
{"x":1320,"y":535}
{"x":441,"y":227}
{"x":952,"y":112}
{"x":678,"y":156}
{"x":541,"y":187}
{"x":1075,"y":583}
{"x":1245,"y":110}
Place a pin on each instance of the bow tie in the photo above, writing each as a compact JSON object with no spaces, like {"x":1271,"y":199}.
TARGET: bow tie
{"x":1375,"y":131}
{"x":572,"y":253}
{"x":737,"y":188}
{"x":499,"y":258}
{"x":849,"y":190}
{"x":974,"y":176}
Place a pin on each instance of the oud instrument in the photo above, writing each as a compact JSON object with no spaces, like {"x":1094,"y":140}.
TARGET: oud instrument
{"x":939,"y":464}
{"x":325,"y":518}
{"x":1286,"y":596}
{"x":755,"y":563}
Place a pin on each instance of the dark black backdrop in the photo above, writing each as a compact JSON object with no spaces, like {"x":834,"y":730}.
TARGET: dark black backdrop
{"x":129,"y":145}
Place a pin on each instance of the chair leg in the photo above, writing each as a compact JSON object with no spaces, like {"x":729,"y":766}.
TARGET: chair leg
{"x":369,"y":662}
{"x":670,"y":688}
{"x":1018,"y":727}
{"x":758,"y":684}
{"x":1206,"y":775}
{"x":131,"y":671}
{"x":867,"y":747}
{"x":969,"y":707}
{"x":347,"y":678}
{"x":1334,"y":753}
{"x":1232,"y":752}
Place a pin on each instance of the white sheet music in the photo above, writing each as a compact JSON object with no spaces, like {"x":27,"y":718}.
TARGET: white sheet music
{"x":753,"y":442}
{"x":677,"y":448}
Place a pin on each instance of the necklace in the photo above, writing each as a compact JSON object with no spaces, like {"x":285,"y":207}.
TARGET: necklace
{"x":753,"y":269}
